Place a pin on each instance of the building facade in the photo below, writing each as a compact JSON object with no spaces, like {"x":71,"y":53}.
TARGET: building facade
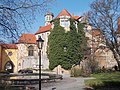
{"x":27,"y":54}
{"x":8,"y":57}
{"x":21,"y":55}
{"x":44,"y":31}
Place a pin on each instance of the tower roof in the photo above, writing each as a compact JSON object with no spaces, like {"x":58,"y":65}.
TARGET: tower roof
{"x":63,"y":12}
{"x":49,"y":13}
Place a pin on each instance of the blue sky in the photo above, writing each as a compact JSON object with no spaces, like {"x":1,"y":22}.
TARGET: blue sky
{"x":78,"y":7}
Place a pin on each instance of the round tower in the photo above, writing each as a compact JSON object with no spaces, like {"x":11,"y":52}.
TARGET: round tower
{"x":48,"y":17}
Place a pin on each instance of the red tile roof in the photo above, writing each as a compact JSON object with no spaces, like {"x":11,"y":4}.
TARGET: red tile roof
{"x":118,"y":24}
{"x":63,"y":12}
{"x":9,"y":46}
{"x":43,"y":29}
{"x":76,"y":17}
{"x":27,"y":38}
{"x":47,"y":28}
{"x":95,"y":33}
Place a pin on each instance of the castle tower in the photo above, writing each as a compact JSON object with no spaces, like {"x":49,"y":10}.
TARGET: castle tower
{"x":48,"y":17}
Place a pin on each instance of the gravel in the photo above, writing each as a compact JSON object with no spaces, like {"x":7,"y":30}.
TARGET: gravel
{"x":65,"y":84}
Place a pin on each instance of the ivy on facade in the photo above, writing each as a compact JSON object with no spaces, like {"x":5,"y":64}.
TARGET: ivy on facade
{"x":65,"y":48}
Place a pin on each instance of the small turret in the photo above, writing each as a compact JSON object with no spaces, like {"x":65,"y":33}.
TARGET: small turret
{"x":48,"y":17}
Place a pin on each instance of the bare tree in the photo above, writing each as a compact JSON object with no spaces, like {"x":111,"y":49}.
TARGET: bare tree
{"x":104,"y":15}
{"x":17,"y":15}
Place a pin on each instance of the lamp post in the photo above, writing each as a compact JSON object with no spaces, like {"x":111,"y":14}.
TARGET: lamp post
{"x":40,"y":44}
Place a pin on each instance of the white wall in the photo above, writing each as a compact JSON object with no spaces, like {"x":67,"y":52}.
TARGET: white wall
{"x":44,"y":58}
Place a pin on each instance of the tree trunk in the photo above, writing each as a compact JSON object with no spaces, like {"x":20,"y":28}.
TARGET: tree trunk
{"x":117,"y":60}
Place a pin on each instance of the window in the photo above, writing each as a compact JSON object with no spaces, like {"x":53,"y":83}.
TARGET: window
{"x":47,"y":18}
{"x":19,"y":64}
{"x":39,"y":36}
{"x":10,"y":53}
{"x":8,"y":65}
{"x":30,"y":51}
{"x":47,"y":34}
{"x":64,"y":23}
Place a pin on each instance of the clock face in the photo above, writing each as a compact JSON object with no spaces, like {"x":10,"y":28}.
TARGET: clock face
{"x":10,"y":53}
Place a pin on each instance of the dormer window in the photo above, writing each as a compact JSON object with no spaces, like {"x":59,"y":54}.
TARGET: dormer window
{"x":47,"y":18}
{"x":64,"y":22}
{"x":30,"y":51}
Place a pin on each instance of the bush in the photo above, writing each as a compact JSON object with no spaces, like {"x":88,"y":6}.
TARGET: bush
{"x":85,"y":73}
{"x":75,"y":72}
{"x":103,"y":70}
{"x":97,"y":71}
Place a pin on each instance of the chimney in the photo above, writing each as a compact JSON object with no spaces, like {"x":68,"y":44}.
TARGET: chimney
{"x":118,"y":24}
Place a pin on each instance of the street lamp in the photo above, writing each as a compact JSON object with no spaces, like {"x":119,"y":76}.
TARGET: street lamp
{"x":40,"y":44}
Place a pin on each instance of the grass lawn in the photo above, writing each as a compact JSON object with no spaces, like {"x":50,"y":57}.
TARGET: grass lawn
{"x":105,"y":81}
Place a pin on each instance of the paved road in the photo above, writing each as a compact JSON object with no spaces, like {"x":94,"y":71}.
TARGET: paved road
{"x":65,"y":84}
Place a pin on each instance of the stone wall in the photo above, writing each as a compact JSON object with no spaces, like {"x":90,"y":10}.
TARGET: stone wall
{"x":25,"y":61}
{"x":61,"y":71}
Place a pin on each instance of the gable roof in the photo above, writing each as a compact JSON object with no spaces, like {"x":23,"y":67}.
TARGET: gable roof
{"x":63,"y":12}
{"x":43,"y":29}
{"x":9,"y":46}
{"x":27,"y":38}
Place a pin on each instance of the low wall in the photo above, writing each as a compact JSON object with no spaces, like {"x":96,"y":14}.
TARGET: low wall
{"x":61,"y":71}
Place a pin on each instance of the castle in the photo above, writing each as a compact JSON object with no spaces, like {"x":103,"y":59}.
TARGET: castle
{"x":26,"y":51}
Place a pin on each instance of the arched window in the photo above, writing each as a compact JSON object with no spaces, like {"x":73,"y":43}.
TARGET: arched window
{"x":30,"y":51}
{"x":9,"y":66}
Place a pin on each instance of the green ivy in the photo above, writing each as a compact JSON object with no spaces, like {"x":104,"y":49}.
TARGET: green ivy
{"x":73,"y":40}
